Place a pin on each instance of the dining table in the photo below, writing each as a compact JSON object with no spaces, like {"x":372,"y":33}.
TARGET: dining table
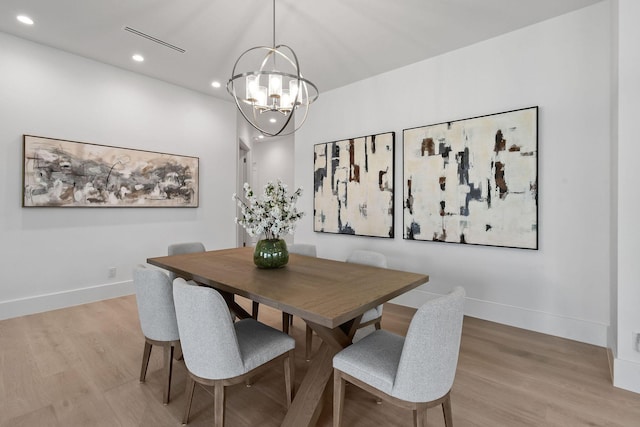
{"x":330,"y":296}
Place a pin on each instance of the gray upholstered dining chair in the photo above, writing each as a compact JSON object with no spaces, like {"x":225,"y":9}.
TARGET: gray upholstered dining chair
{"x":372,"y":316}
{"x":415,"y":372}
{"x":157,"y":320}
{"x":374,"y":259}
{"x":184,"y":248}
{"x":218,"y":352}
{"x":303,"y":249}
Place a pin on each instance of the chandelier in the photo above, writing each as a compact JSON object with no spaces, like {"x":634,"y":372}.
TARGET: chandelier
{"x":273,"y":91}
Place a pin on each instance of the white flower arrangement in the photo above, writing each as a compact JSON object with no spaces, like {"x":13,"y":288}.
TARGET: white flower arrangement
{"x":273,"y":215}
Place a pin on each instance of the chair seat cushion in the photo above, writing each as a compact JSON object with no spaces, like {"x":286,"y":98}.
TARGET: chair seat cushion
{"x":260,"y":343}
{"x":372,"y":313}
{"x":373,"y":360}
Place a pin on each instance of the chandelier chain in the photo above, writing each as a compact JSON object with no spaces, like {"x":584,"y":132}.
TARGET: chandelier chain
{"x":274,"y":24}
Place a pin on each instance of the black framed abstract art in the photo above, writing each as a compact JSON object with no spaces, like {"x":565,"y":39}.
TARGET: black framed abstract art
{"x":60,"y":173}
{"x":473,"y":181}
{"x":353,"y":186}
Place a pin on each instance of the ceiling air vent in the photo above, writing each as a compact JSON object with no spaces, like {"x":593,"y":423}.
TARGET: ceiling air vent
{"x":154,"y":39}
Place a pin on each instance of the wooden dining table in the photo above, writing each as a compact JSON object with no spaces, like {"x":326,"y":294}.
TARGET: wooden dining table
{"x":330,"y":296}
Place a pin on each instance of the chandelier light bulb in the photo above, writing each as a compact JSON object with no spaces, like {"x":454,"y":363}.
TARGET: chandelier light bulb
{"x":252,"y":83}
{"x":293,"y":89}
{"x":285,"y":100}
{"x":275,"y":86}
{"x":262,"y":96}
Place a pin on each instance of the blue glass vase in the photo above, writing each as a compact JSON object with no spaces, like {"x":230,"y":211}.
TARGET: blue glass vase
{"x":271,"y":253}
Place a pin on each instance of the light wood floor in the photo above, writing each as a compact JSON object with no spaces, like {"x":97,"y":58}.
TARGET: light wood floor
{"x":79,"y":367}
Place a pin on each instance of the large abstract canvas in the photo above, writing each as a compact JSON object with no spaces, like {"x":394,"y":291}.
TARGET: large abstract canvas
{"x":473,"y":181}
{"x":353,"y":186}
{"x":74,"y":174}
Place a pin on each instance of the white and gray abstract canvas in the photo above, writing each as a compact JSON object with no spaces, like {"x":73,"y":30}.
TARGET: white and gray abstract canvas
{"x":473,"y":181}
{"x":59,"y":173}
{"x":353,"y":186}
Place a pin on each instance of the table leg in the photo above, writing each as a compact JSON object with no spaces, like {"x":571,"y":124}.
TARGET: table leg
{"x":286,"y":322}
{"x":305,"y":408}
{"x":255,"y":307}
{"x":307,"y":404}
{"x":234,"y":307}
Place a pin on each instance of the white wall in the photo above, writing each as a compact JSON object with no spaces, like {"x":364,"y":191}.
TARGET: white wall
{"x":272,"y":159}
{"x":627,"y":358}
{"x":561,"y":65}
{"x":54,"y":257}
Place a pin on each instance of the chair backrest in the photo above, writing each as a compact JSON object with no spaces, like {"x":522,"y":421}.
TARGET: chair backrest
{"x":374,"y":259}
{"x":430,"y":354}
{"x":155,"y":304}
{"x":302,"y":249}
{"x":184,"y":248}
{"x":207,"y":335}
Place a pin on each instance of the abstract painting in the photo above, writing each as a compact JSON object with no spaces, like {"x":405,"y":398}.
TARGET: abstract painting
{"x":353,"y":186}
{"x":75,"y":174}
{"x":473,"y":181}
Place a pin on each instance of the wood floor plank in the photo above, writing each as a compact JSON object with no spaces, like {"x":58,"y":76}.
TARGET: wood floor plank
{"x":43,"y":417}
{"x":50,"y":345}
{"x":85,"y":410}
{"x":132,"y":404}
{"x":22,"y":383}
{"x":79,"y":367}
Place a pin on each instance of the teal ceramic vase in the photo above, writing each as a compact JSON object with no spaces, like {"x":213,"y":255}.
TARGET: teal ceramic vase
{"x":271,"y":253}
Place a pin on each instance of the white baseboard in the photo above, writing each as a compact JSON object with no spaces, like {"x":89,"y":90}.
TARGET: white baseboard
{"x":626,"y":375}
{"x":56,"y":300}
{"x":552,"y":324}
{"x":538,"y":321}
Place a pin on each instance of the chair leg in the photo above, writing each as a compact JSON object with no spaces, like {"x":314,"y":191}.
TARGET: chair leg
{"x":168,"y":367}
{"x":145,"y":360}
{"x":289,"y":376}
{"x":420,"y":415}
{"x":255,"y":306}
{"x":218,"y":404}
{"x":338,"y":398}
{"x":287,"y":380}
{"x":378,"y":325}
{"x":308,"y":343}
{"x":191,"y":385}
{"x":446,"y":410}
{"x":177,"y":354}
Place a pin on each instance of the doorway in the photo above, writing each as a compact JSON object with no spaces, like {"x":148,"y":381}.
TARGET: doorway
{"x":242,"y":238}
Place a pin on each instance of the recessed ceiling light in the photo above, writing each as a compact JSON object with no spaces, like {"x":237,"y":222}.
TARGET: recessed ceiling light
{"x":25,"y":19}
{"x":272,"y":120}
{"x":138,"y":58}
{"x":215,"y":84}
{"x":260,"y":136}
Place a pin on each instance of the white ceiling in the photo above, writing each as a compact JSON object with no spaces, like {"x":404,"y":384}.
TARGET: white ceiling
{"x":337,"y":41}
